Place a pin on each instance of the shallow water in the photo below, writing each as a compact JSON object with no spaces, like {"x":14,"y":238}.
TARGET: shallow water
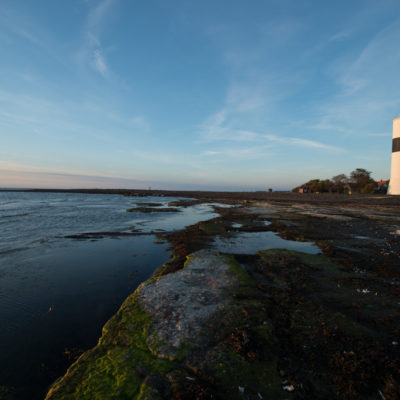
{"x":251,"y":242}
{"x":57,"y":293}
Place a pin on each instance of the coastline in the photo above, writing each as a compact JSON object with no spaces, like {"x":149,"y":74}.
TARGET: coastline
{"x":285,"y":325}
{"x":279,"y":196}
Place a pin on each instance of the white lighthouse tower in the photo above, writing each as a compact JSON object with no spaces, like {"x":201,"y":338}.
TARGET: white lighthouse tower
{"x":394,"y":184}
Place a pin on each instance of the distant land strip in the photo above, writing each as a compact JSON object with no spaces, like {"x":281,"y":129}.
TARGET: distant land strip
{"x":322,"y":198}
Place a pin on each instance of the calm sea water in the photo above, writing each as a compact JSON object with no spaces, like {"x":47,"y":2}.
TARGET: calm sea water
{"x":57,"y":293}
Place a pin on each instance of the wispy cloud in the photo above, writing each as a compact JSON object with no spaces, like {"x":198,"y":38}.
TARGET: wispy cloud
{"x":21,"y":25}
{"x":347,"y":131}
{"x":99,"y":63}
{"x":343,"y":34}
{"x":140,"y":122}
{"x":217,"y":129}
{"x":327,"y":41}
{"x":137,"y":122}
{"x":242,"y":153}
{"x":97,"y":14}
{"x":247,"y":96}
{"x":92,"y":52}
{"x":301,"y":142}
{"x":51,"y":119}
{"x":309,"y":143}
{"x":23,"y":167}
{"x":367,"y":87}
{"x":42,"y":178}
{"x":26,"y":34}
{"x":258,"y":91}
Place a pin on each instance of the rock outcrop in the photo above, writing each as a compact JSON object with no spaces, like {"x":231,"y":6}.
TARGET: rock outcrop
{"x":165,"y":341}
{"x":181,"y":303}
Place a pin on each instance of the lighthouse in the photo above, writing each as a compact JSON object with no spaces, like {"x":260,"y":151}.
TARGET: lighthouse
{"x":394,"y":184}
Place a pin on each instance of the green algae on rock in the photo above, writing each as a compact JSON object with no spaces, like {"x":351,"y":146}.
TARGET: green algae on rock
{"x":158,"y":344}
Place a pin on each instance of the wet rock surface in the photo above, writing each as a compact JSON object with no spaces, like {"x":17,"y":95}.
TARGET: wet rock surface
{"x":148,"y":204}
{"x":153,"y":209}
{"x":181,"y":303}
{"x":185,"y":203}
{"x":100,"y":235}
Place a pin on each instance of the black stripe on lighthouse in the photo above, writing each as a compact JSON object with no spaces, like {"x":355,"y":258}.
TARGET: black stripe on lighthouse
{"x":396,"y":145}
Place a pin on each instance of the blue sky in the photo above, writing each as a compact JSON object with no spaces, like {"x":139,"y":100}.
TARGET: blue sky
{"x":196,"y":94}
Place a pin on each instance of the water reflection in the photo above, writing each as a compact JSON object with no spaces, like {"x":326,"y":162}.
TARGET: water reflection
{"x":251,"y":242}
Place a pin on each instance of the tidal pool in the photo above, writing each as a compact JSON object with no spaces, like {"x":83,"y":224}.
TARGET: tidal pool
{"x":251,"y":242}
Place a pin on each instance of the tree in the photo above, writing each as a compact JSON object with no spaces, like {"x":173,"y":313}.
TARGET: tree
{"x":369,"y":188}
{"x":313,"y":185}
{"x":316,"y":186}
{"x":339,"y":183}
{"x":360,"y":181}
{"x":325,"y":186}
{"x":360,"y":178}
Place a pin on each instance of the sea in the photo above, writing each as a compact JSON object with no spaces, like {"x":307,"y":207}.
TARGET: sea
{"x":56,"y":292}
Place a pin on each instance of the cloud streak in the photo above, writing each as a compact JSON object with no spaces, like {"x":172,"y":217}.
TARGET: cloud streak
{"x":92,"y":52}
{"x":246,"y":153}
{"x":366,"y":94}
{"x":99,"y":63}
{"x":34,"y":115}
{"x":217,"y":129}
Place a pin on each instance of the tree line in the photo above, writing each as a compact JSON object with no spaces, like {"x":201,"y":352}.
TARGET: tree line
{"x":359,"y":181}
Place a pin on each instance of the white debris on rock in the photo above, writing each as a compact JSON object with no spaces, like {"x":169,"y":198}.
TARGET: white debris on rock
{"x":326,"y":215}
{"x":288,"y":388}
{"x":363,"y":291}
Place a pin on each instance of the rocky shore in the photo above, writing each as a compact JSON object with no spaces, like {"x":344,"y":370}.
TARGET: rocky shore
{"x":277,"y":324}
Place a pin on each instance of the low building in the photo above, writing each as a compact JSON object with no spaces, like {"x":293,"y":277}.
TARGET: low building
{"x":304,"y":189}
{"x":382,"y":186}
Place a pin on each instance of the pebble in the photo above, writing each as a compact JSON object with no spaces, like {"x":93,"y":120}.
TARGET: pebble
{"x":288,"y":388}
{"x":364,"y":291}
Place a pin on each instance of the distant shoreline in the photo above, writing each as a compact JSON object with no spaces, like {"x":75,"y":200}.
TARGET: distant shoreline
{"x":281,"y":196}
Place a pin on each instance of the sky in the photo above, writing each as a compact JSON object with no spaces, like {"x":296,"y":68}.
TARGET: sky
{"x":188,"y":94}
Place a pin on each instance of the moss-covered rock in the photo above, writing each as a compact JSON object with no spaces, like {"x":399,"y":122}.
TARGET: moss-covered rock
{"x":116,"y":368}
{"x":177,"y":336}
